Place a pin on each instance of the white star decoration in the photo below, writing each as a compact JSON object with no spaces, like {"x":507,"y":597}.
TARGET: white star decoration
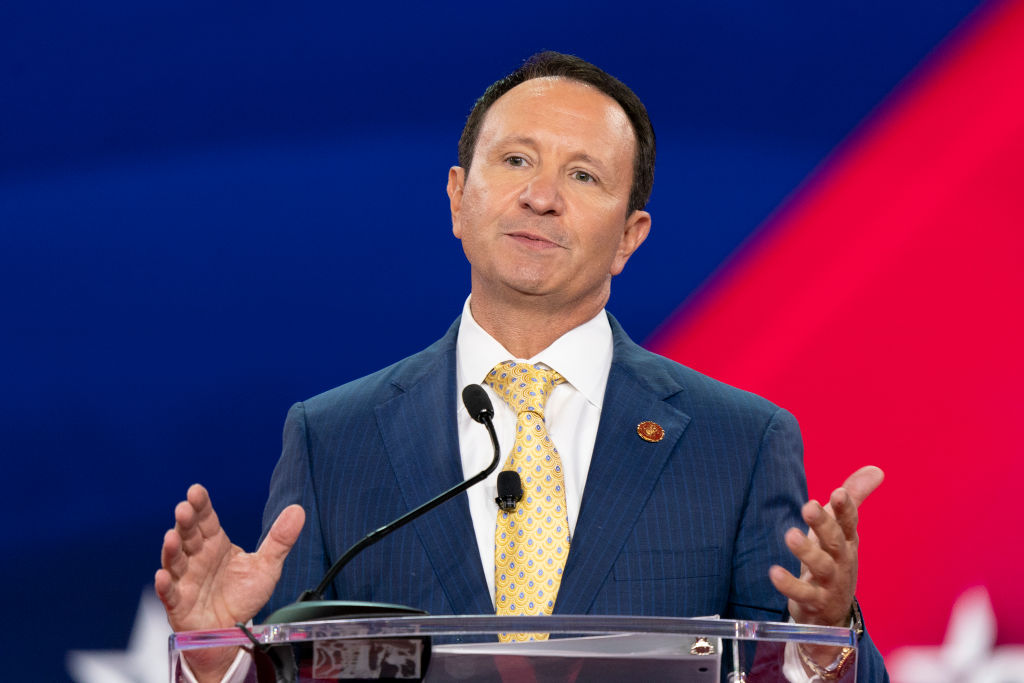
{"x":967,"y":655}
{"x":145,"y":660}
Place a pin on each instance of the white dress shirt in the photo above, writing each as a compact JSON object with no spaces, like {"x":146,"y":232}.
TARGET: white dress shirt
{"x":583,"y":356}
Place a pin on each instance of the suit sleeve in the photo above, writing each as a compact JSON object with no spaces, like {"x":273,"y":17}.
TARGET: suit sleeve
{"x":293,"y":482}
{"x":870,"y":665}
{"x":776,"y":491}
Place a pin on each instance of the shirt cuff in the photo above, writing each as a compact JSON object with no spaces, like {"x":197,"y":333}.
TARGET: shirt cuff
{"x":792,"y":668}
{"x":236,"y":674}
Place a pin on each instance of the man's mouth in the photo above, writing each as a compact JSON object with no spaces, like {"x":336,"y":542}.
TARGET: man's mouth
{"x":531,"y":239}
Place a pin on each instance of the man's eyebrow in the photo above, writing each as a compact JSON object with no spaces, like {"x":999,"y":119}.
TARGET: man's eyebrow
{"x":517,"y":140}
{"x":587,"y":159}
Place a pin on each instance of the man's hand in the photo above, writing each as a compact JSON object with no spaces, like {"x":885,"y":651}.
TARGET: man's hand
{"x":207,"y":582}
{"x":824,"y":592}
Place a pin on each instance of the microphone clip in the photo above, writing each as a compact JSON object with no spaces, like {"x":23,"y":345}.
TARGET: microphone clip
{"x":507,"y":503}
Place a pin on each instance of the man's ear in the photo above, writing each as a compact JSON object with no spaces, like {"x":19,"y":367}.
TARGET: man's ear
{"x":456,"y":181}
{"x":638,"y":225}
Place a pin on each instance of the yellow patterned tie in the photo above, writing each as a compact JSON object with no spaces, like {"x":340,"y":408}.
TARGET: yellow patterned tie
{"x":532,"y":542}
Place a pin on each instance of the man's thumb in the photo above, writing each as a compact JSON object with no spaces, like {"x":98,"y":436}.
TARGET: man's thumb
{"x":282,"y":535}
{"x":861,"y":483}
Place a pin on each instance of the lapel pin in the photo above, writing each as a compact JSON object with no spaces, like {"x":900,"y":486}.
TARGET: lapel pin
{"x":650,"y":431}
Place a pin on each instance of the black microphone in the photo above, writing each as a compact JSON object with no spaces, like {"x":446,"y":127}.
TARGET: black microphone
{"x":311,"y":606}
{"x":478,"y":404}
{"x":510,"y":490}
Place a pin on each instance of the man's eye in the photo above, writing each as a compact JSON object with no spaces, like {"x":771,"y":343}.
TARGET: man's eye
{"x":583,"y":176}
{"x":515,"y":161}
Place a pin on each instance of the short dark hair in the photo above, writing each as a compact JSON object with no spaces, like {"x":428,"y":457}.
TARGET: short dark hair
{"x":556,"y":64}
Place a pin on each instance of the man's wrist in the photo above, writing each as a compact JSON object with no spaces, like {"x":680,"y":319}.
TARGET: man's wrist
{"x":831,"y":662}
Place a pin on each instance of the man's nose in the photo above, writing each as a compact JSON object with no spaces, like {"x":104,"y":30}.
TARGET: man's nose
{"x":542,"y":194}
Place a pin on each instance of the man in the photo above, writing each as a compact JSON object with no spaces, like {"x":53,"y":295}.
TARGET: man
{"x":694,"y":512}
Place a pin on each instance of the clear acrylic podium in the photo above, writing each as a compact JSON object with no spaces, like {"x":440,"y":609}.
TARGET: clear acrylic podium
{"x":581,"y":648}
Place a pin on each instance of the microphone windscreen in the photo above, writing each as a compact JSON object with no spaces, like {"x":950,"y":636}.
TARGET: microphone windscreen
{"x":477,"y":402}
{"x":510,"y":485}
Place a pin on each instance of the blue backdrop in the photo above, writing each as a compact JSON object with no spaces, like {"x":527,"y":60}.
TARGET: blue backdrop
{"x":210,"y":212}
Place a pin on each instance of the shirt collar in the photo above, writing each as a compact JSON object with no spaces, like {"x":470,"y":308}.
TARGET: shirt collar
{"x":583,"y":355}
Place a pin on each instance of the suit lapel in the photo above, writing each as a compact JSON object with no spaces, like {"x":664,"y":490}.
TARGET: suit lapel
{"x":623,"y":471}
{"x":420,"y":435}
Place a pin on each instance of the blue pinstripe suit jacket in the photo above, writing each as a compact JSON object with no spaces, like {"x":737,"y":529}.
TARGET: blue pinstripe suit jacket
{"x":687,"y":526}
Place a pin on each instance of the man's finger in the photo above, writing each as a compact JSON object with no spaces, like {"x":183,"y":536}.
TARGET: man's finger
{"x":815,"y":560}
{"x":282,"y":536}
{"x":861,"y":483}
{"x":845,"y":513}
{"x":186,"y":524}
{"x":792,"y":587}
{"x":827,"y":532}
{"x":166,"y":589}
{"x":198,"y":496}
{"x":171,"y":557}
{"x":206,"y":516}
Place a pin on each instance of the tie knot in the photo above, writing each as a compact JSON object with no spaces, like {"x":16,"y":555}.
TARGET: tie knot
{"x":524,"y":387}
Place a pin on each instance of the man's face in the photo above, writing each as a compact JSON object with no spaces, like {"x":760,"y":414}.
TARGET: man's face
{"x":543,"y":210}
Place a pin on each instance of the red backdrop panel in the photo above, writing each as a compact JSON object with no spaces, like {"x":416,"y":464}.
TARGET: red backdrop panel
{"x":884,"y":306}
